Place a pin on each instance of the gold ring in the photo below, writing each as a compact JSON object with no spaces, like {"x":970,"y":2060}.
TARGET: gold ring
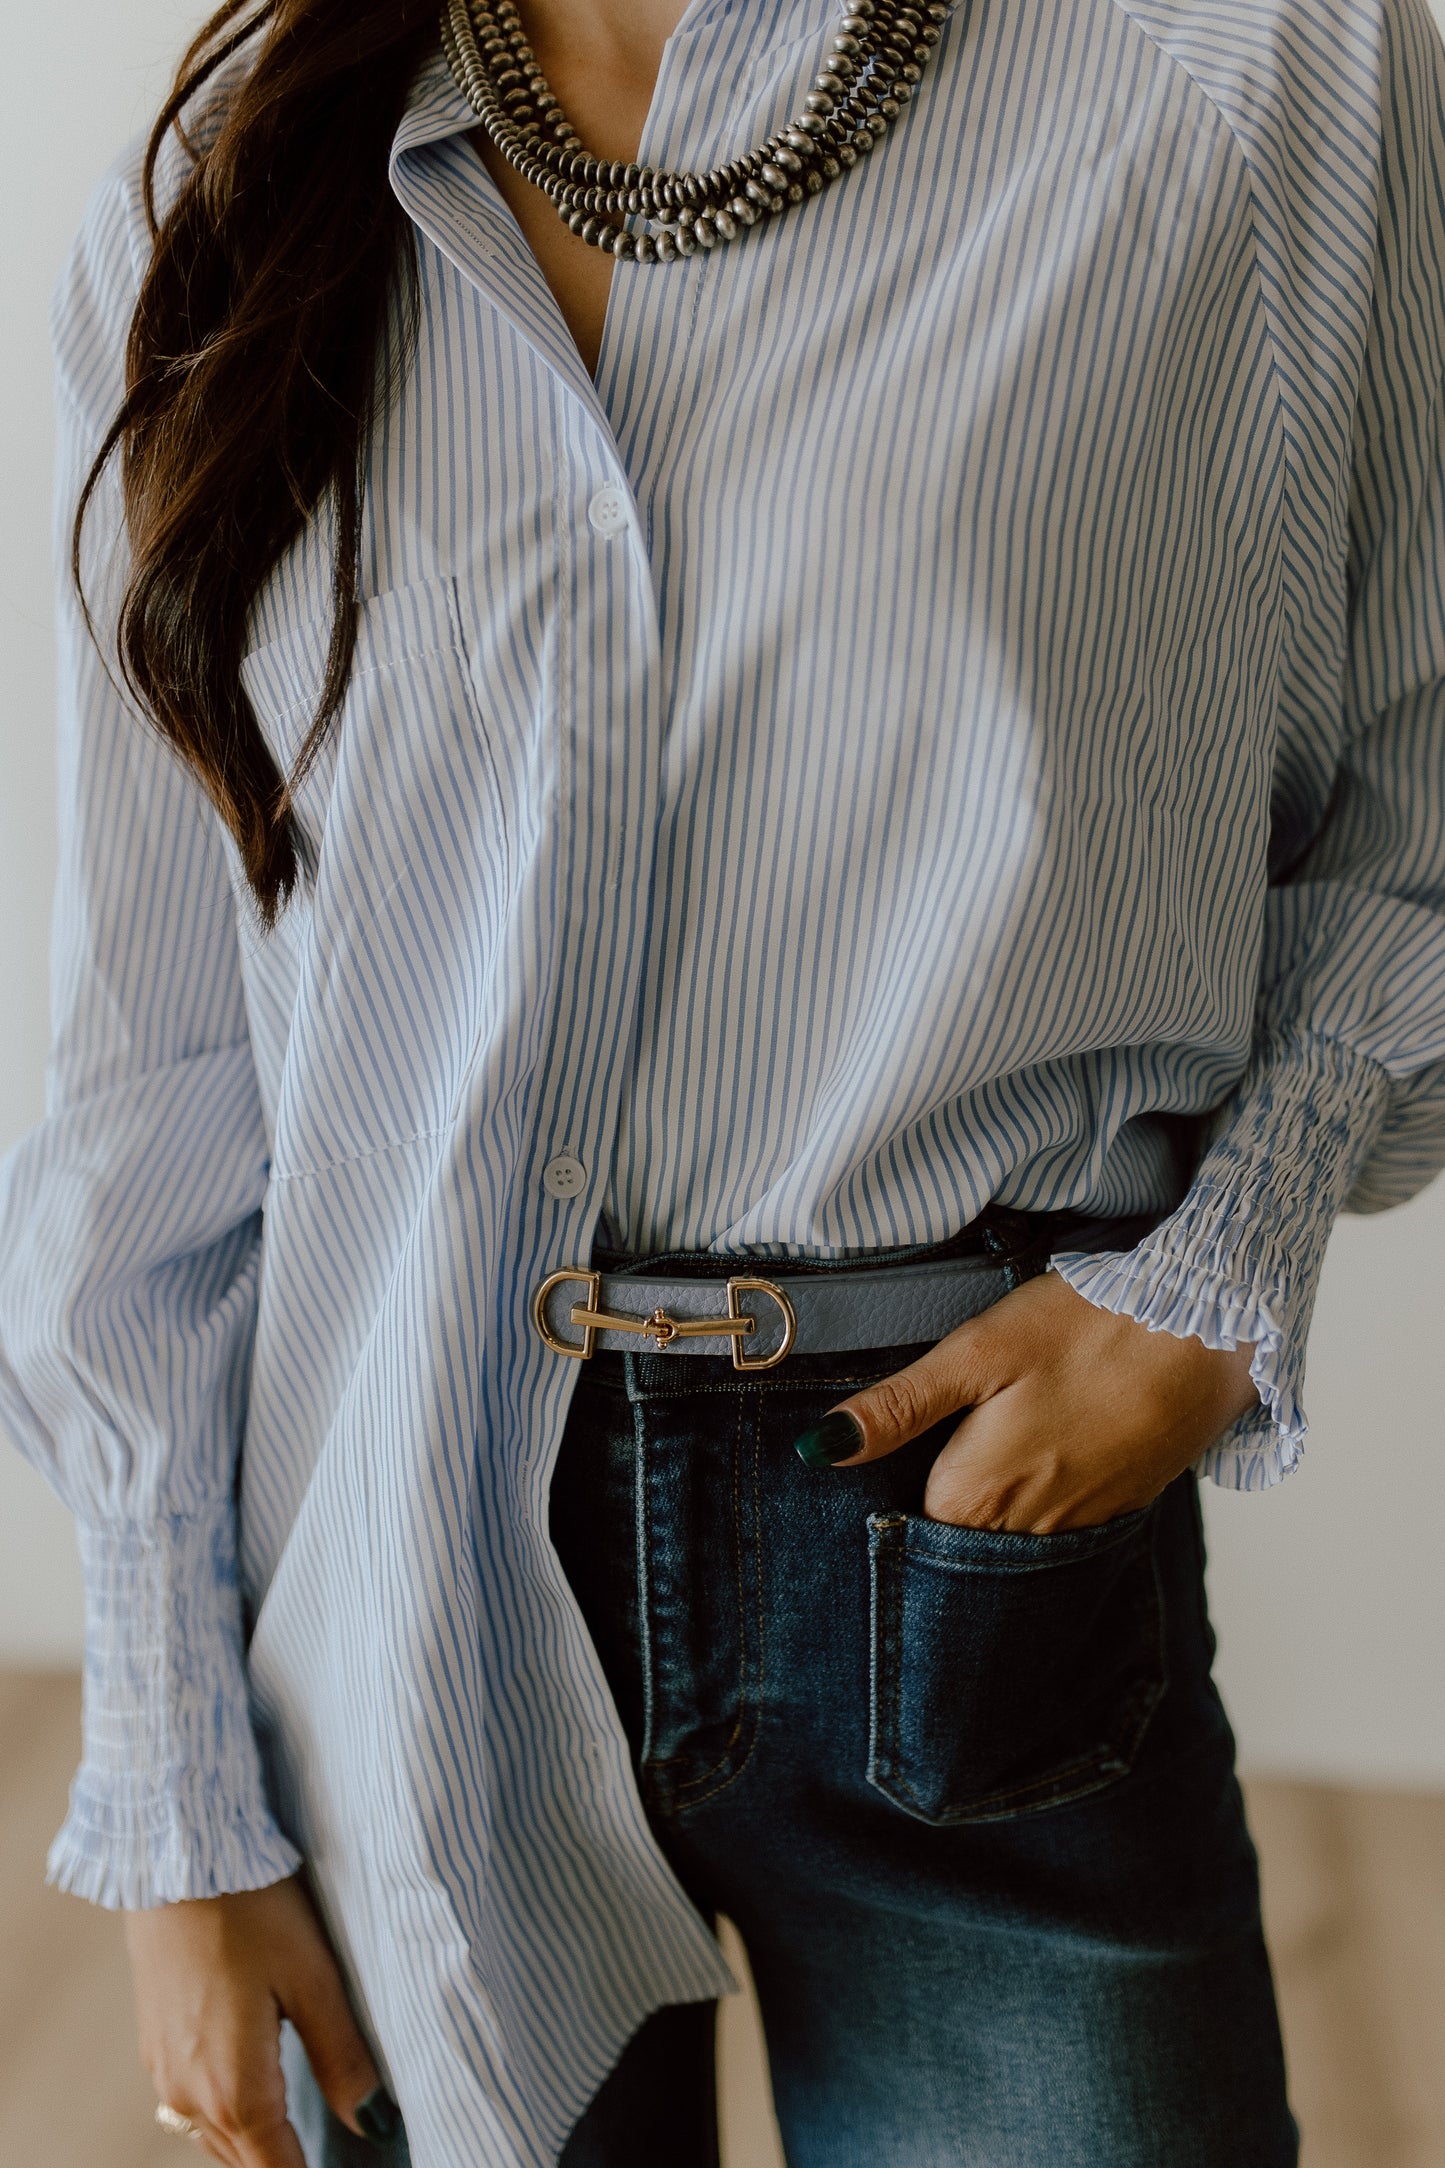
{"x":171,"y":2119}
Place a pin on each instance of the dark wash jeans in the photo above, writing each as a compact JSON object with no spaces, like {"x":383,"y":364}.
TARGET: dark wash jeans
{"x":969,"y":1798}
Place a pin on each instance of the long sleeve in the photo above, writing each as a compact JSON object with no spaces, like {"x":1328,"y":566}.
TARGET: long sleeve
{"x":1343,"y":1101}
{"x":130,"y":1223}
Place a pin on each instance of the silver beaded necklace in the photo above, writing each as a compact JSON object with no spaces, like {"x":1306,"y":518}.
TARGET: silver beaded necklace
{"x":869,"y":73}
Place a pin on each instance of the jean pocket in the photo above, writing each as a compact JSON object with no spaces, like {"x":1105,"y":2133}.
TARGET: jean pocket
{"x":1009,"y":1672}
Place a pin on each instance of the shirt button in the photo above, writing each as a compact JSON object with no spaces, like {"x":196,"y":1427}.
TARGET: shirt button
{"x":563,"y":1176}
{"x":608,"y":511}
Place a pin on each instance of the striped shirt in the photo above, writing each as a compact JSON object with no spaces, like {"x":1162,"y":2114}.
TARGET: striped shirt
{"x":954,"y":711}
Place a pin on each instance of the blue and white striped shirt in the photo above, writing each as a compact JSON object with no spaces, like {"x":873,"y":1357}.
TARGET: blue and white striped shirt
{"x":958,"y":699}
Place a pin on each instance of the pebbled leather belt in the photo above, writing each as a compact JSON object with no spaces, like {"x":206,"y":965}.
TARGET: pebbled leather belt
{"x":758,"y":1321}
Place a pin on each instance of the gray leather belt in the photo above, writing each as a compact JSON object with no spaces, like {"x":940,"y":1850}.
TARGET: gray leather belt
{"x":759,"y":1321}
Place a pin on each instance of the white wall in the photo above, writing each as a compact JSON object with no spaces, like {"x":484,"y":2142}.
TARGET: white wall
{"x":77,"y":82}
{"x":1328,"y":1592}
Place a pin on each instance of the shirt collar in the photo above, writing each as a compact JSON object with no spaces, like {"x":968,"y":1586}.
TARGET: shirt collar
{"x":435,"y":107}
{"x":454,"y":201}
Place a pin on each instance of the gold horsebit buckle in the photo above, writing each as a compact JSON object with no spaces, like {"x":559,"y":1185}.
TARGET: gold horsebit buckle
{"x":660,"y":1327}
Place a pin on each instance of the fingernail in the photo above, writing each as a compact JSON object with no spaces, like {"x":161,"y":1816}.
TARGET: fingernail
{"x":379,"y":2115}
{"x":837,"y":1437}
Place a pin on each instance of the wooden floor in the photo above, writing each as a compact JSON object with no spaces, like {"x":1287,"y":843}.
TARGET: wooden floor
{"x":1354,"y":1902}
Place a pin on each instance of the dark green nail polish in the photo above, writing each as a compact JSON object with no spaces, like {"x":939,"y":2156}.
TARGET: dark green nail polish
{"x":836,"y":1438}
{"x":379,"y":2115}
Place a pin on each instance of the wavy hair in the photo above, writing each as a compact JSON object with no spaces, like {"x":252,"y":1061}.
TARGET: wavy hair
{"x":276,"y":308}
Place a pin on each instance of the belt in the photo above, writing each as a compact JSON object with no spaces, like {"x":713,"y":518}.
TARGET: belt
{"x":759,"y":1321}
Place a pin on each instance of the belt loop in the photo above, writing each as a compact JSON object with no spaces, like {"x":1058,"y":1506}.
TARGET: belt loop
{"x":1022,"y":1242}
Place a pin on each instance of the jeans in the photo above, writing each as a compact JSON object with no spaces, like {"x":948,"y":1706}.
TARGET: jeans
{"x":969,"y":1798}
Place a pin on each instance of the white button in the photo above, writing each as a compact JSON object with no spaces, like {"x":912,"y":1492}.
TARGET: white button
{"x":564,"y":1176}
{"x":608,"y":511}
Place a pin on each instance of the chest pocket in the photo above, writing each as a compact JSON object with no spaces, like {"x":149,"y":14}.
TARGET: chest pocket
{"x":389,"y":949}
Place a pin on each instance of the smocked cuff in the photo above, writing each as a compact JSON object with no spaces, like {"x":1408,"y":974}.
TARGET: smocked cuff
{"x":170,"y":1799}
{"x":1240,"y":1259}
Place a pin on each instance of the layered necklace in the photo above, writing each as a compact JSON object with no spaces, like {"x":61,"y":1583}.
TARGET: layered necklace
{"x":870,"y":70}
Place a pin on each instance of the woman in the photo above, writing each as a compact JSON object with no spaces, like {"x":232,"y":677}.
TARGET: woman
{"x":758,"y":760}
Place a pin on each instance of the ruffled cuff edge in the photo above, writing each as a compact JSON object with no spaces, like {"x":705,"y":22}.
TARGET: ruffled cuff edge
{"x":170,"y":1800}
{"x":1238,"y":1262}
{"x":1267,"y":1442}
{"x":128,"y":1855}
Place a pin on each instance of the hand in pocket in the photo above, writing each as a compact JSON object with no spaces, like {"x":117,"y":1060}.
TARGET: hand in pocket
{"x":1072,"y":1416}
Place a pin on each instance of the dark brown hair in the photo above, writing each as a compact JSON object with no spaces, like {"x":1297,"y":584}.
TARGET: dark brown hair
{"x":278,"y":301}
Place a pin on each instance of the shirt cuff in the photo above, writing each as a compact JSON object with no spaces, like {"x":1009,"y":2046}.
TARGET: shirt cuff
{"x":1240,"y":1259}
{"x":170,"y":1799}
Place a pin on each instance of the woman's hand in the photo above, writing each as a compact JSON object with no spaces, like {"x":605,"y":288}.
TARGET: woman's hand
{"x":213,"y":1979}
{"x":1073,"y":1414}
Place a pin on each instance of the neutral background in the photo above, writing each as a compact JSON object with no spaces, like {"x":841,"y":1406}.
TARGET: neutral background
{"x":1328,"y":1591}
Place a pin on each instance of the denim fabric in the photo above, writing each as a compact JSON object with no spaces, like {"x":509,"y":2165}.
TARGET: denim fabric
{"x":970,"y":1798}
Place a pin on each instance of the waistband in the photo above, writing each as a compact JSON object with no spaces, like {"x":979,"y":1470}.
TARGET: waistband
{"x":760,"y":1309}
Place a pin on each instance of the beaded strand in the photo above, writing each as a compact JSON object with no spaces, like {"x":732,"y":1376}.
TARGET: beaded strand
{"x":870,"y":71}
